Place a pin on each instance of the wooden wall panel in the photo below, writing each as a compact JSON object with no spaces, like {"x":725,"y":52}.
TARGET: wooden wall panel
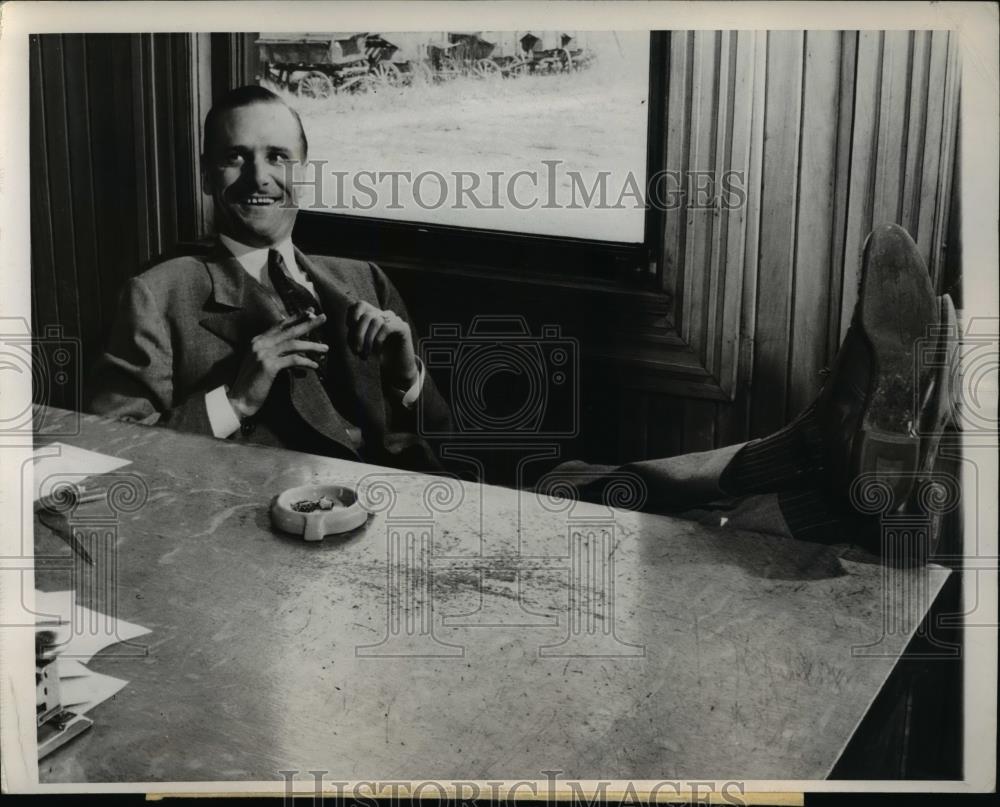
{"x":893,"y":118}
{"x":813,"y":265}
{"x":712,"y":106}
{"x":113,"y":142}
{"x":700,"y":236}
{"x":905,"y":117}
{"x":779,"y":198}
{"x":846,"y":130}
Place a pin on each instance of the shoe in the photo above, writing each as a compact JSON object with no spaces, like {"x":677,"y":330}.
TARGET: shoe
{"x":935,"y":492}
{"x":868,"y":407}
{"x":939,"y":401}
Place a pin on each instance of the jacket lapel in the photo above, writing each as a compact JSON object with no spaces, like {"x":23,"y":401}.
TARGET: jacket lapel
{"x":239,"y":308}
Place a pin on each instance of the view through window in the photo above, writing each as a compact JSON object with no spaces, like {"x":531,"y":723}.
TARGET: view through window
{"x":530,"y":131}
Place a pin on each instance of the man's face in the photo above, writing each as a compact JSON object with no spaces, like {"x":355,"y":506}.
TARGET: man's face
{"x":255,"y":149}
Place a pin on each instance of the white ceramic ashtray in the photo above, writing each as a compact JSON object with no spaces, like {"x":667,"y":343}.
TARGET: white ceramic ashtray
{"x":315,"y":511}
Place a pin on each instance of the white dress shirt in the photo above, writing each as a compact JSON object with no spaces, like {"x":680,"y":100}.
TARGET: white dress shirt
{"x":221,"y":414}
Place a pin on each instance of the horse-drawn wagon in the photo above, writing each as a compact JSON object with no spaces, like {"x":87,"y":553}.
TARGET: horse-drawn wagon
{"x":314,"y":65}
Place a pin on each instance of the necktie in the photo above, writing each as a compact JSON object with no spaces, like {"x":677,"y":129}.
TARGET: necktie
{"x":295,"y":296}
{"x":296,"y":299}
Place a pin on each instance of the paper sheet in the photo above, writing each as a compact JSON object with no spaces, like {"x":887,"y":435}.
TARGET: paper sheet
{"x":82,"y":632}
{"x":84,"y":693}
{"x":79,"y":634}
{"x":84,"y":646}
{"x":70,"y":668}
{"x":58,"y":462}
{"x":53,"y":606}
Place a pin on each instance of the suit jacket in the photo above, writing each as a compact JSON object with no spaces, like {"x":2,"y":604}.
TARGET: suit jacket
{"x":182,"y":329}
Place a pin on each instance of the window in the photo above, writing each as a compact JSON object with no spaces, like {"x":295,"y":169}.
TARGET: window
{"x":533,"y":132}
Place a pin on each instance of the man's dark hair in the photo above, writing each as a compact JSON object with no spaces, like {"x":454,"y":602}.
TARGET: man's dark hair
{"x":246,"y":96}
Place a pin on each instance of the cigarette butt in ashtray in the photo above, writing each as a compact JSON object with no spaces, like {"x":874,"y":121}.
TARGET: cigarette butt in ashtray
{"x":313,"y":524}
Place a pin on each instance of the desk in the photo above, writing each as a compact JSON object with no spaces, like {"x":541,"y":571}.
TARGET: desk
{"x":465,"y":632}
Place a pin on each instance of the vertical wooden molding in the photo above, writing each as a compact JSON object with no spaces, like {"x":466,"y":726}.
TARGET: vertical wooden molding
{"x":656,"y":151}
{"x":200,"y":93}
{"x":675,"y":161}
{"x":933,"y":146}
{"x":947,"y":162}
{"x":813,"y":265}
{"x":96,"y":255}
{"x":43,"y":251}
{"x":738,"y":269}
{"x":699,"y":219}
{"x":139,"y":146}
{"x":737,"y":427}
{"x":918,"y":102}
{"x":838,"y":235}
{"x":714,"y":326}
{"x":891,"y":144}
{"x":777,"y":231}
{"x":61,"y":192}
{"x":868,"y":90}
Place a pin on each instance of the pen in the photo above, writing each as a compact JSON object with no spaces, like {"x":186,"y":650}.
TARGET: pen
{"x":61,"y":529}
{"x":84,"y":496}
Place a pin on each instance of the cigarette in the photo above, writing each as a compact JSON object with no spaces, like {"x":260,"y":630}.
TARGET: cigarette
{"x":303,"y":316}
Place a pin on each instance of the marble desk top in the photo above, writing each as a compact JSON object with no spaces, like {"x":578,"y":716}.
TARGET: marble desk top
{"x":465,"y":631}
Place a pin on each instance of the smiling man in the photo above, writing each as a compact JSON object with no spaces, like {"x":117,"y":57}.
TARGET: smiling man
{"x":255,"y":341}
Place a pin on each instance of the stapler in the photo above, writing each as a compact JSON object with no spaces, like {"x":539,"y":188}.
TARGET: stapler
{"x":56,"y":726}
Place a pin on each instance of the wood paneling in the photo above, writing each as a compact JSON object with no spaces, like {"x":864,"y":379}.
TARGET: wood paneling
{"x":838,"y":132}
{"x":778,"y":228}
{"x":812,"y":266}
{"x":114,"y":139}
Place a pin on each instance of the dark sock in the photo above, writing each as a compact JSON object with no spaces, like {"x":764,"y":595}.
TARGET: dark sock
{"x":792,"y":457}
{"x":811,"y":516}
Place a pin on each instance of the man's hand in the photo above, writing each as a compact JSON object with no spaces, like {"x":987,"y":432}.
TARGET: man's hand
{"x":271,"y":352}
{"x":372,"y":331}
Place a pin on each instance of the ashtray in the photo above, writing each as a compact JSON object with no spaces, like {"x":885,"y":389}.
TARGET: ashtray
{"x":315,"y":511}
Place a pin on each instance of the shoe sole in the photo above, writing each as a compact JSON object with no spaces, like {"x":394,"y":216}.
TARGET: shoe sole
{"x":896,"y":304}
{"x":940,"y":404}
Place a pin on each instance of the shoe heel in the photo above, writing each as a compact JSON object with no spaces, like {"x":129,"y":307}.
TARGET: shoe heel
{"x":893,"y":458}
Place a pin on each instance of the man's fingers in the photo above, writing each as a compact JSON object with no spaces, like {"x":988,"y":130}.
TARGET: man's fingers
{"x":300,"y":345}
{"x":377,"y":326}
{"x":356,"y":331}
{"x":295,"y":360}
{"x":358,"y":310}
{"x":297,"y":329}
{"x":383,"y":333}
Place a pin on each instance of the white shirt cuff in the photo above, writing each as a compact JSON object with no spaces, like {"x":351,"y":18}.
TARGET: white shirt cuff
{"x":411,"y":395}
{"x":221,"y":414}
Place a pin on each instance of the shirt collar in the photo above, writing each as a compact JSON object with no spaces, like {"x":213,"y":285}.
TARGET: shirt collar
{"x":254,"y":259}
